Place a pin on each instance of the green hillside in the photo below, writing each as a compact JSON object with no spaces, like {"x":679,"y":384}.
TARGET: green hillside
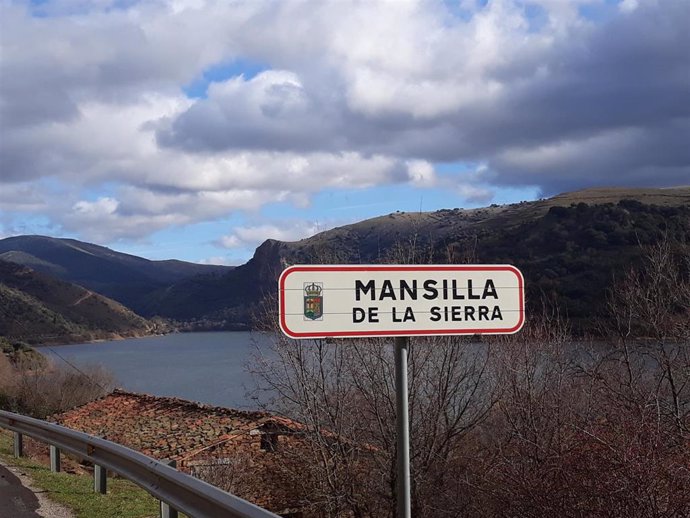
{"x":123,"y":277}
{"x":570,"y":248}
{"x":38,"y":309}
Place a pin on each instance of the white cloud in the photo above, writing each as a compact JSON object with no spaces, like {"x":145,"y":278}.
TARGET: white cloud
{"x":475,"y":194}
{"x":101,"y":207}
{"x":22,"y":197}
{"x":230,"y":241}
{"x":628,"y":6}
{"x":638,"y":153}
{"x":219,"y":260}
{"x":353,"y":95}
{"x":270,"y":111}
{"x":251,"y":236}
{"x":421,"y":173}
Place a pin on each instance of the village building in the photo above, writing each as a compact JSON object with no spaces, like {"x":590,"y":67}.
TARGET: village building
{"x":254,"y":455}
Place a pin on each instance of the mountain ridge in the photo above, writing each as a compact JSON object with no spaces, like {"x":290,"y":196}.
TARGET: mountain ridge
{"x":39,"y":309}
{"x":568,"y":246}
{"x":127,"y":278}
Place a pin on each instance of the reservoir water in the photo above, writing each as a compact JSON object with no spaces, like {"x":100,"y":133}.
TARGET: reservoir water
{"x":211,"y":368}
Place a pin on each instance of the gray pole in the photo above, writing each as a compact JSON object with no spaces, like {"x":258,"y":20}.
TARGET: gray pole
{"x":403,"y":427}
{"x":54,"y":459}
{"x":18,"y":445}
{"x":100,"y":480}
{"x":166,"y":510}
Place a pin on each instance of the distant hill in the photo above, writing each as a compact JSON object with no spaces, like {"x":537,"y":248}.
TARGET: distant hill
{"x":126,"y":278}
{"x":39,"y":309}
{"x":569,"y":247}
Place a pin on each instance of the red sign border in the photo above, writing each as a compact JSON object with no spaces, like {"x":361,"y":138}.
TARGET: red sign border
{"x":396,"y":268}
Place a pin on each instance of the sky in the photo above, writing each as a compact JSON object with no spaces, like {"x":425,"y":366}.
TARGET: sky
{"x":196,"y":129}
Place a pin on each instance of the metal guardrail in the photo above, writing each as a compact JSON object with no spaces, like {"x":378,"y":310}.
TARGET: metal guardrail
{"x":183,"y":492}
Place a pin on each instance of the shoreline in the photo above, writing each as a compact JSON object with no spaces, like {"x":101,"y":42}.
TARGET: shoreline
{"x":114,"y":338}
{"x":118,"y":338}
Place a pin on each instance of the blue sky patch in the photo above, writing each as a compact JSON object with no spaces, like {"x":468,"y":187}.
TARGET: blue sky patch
{"x":198,"y":88}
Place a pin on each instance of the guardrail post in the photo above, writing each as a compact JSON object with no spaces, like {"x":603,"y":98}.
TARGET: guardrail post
{"x":54,"y":459}
{"x":166,"y":510}
{"x":18,"y":445}
{"x":99,"y":479}
{"x":184,"y":493}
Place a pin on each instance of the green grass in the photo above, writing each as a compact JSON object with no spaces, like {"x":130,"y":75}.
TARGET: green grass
{"x":123,"y":500}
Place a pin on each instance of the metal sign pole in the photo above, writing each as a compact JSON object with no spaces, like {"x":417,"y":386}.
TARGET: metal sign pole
{"x":493,"y":303}
{"x":403,"y":427}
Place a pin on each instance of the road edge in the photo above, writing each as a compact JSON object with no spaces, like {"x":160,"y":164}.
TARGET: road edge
{"x":47,"y":508}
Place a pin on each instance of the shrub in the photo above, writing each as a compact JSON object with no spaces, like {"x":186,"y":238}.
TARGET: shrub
{"x":39,"y":388}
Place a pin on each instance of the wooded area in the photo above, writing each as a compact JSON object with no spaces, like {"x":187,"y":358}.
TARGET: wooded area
{"x":532,"y":424}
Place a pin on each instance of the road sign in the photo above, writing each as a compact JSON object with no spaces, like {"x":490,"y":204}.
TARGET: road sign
{"x":400,"y":300}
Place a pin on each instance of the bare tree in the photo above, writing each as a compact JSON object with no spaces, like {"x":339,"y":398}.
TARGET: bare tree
{"x":595,"y":429}
{"x":650,"y":308}
{"x":534,"y":424}
{"x":343,"y":391}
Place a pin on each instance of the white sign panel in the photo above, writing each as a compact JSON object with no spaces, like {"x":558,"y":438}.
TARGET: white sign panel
{"x":400,"y":300}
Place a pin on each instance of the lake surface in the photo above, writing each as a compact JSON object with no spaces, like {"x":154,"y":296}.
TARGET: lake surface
{"x":208,"y":367}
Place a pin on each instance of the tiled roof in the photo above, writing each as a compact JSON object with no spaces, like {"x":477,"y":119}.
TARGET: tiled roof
{"x":161,"y":427}
{"x":197,"y":435}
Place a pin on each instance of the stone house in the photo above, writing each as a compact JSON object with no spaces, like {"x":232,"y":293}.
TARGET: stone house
{"x":255,"y":455}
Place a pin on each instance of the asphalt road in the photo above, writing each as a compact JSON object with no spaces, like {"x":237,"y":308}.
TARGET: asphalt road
{"x":16,"y":501}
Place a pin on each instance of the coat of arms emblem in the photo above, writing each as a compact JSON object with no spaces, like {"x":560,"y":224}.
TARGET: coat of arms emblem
{"x":313,"y":300}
